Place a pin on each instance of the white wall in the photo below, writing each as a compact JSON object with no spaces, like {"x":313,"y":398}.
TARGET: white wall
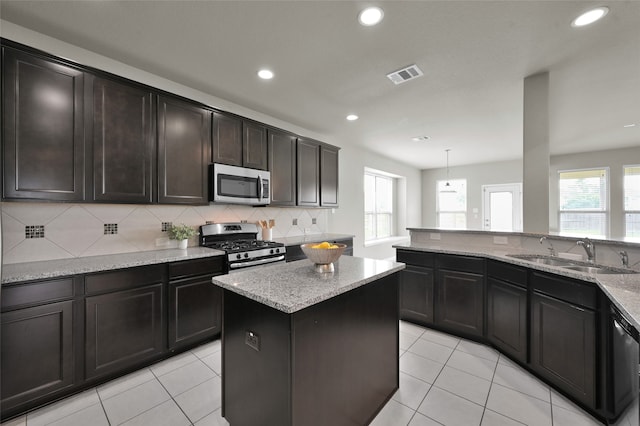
{"x":615,"y":160}
{"x":348,"y":218}
{"x":476,"y":175}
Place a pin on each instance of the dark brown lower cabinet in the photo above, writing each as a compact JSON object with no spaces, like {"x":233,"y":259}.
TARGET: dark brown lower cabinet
{"x":416,"y":294}
{"x":507,"y":318}
{"x":563,"y":346}
{"x":195,"y":307}
{"x":37,"y":353}
{"x":460,"y":301}
{"x":123,"y":329}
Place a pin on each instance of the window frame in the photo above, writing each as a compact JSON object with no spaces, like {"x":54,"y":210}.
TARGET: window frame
{"x":377,"y":174}
{"x":606,"y":211}
{"x":626,"y":212}
{"x":461,"y":211}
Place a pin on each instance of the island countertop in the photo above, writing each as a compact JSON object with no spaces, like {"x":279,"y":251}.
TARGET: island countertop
{"x":293,"y":286}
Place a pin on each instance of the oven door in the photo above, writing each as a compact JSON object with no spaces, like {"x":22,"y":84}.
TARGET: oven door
{"x":238,"y":185}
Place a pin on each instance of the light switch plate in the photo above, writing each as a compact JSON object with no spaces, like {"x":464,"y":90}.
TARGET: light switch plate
{"x":252,"y":340}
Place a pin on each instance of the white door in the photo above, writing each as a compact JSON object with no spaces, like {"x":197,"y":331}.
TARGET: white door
{"x":502,"y":207}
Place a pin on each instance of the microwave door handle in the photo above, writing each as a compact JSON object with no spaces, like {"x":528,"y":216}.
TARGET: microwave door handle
{"x":259,"y":188}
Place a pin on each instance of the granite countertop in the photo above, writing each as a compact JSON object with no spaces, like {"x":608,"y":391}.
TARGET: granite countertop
{"x":290,"y":287}
{"x":15,"y":272}
{"x":622,"y":289}
{"x":311,"y":238}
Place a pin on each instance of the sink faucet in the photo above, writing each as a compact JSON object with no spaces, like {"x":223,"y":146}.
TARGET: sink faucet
{"x":589,"y":247}
{"x":552,"y":251}
{"x":625,"y":258}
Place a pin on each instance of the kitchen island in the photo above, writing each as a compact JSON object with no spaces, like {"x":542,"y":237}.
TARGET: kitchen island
{"x":304,"y":348}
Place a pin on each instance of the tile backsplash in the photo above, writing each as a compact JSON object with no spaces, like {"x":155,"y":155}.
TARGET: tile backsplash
{"x":47,"y":231}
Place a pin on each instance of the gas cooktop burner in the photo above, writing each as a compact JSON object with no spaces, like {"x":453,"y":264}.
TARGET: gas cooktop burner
{"x":233,"y":246}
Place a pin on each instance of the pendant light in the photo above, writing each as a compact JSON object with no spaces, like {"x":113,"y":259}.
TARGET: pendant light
{"x":447,"y":186}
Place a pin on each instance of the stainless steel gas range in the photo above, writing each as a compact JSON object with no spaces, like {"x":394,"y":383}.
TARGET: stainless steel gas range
{"x":239,"y":242}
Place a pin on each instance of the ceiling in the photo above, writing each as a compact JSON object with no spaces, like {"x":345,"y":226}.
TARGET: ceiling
{"x":474,"y":55}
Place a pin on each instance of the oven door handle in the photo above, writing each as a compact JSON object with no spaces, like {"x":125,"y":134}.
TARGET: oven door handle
{"x":259,"y":188}
{"x":239,"y":265}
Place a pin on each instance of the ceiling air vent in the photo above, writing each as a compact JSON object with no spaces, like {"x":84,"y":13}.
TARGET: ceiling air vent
{"x":405,"y":74}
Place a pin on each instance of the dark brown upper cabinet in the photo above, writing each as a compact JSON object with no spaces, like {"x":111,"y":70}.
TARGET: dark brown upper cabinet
{"x":328,"y":176}
{"x":239,"y":142}
{"x":308,"y":159}
{"x":184,"y":143}
{"x":123,"y":123}
{"x":282,"y":163}
{"x":43,"y":130}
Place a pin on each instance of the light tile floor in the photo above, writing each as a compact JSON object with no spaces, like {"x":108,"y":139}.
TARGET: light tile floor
{"x":444,"y":380}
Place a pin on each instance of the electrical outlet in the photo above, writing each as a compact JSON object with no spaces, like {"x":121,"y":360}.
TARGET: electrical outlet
{"x":252,"y":340}
{"x":500,"y":240}
{"x":295,"y":222}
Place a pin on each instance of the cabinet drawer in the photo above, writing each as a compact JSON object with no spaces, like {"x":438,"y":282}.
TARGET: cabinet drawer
{"x":22,"y":295}
{"x":192,"y":268}
{"x":461,"y":263}
{"x":565,"y":289}
{"x":418,"y":258}
{"x":509,"y":273}
{"x":123,"y":279}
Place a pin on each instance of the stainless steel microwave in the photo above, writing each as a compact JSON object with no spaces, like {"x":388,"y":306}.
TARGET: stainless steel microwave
{"x":239,"y":185}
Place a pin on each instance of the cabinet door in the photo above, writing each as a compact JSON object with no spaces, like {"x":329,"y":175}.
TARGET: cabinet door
{"x":184,"y":141}
{"x":282,"y":164}
{"x":563,"y":339}
{"x":43,"y":131}
{"x":123,"y":329}
{"x":460,"y":302}
{"x":254,"y":146}
{"x":227,"y":139}
{"x":507,"y":318}
{"x":37,"y":352}
{"x":123,"y":143}
{"x":328,"y":176}
{"x":308,"y":173}
{"x":195,"y":311}
{"x":416,"y":294}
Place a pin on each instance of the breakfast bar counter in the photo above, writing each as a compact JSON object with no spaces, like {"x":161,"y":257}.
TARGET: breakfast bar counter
{"x":301,"y":347}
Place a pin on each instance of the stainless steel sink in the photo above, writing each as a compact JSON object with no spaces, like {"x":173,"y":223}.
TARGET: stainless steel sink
{"x":546,"y":260}
{"x":572,"y":264}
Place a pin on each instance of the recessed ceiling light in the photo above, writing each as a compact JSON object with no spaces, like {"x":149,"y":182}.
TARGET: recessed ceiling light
{"x":265,"y":74}
{"x":370,"y":16}
{"x":420,"y":138}
{"x":590,"y":16}
{"x":352,"y":117}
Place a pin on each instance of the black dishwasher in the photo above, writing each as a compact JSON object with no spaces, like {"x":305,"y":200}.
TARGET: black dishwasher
{"x":624,"y":360}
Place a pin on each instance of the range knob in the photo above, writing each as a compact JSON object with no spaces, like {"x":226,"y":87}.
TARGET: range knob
{"x":246,"y":255}
{"x":277,"y":250}
{"x":238,"y":256}
{"x":271,"y":251}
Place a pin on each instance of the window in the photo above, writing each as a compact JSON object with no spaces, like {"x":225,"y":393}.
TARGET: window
{"x":451,"y":204}
{"x":632,"y":201}
{"x":378,"y":206}
{"x":583,"y":202}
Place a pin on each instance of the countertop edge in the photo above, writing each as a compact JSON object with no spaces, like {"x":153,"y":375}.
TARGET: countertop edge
{"x":31,"y":271}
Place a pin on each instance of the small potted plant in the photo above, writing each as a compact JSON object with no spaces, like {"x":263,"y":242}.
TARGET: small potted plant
{"x":181,"y":233}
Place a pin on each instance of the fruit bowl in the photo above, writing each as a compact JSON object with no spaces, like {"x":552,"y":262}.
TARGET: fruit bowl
{"x":323,"y":255}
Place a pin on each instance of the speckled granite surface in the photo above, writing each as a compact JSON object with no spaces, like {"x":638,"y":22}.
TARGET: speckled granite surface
{"x":622,"y":289}
{"x":290,"y":287}
{"x":81,"y":265}
{"x":310,"y":238}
